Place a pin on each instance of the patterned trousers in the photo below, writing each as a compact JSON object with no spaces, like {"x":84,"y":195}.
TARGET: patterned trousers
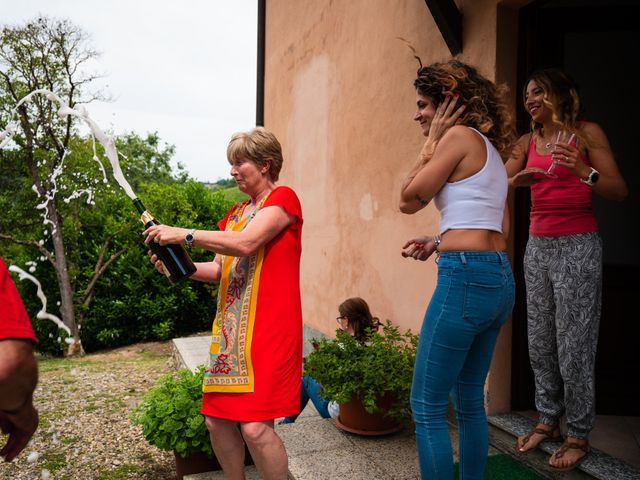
{"x":563,"y":278}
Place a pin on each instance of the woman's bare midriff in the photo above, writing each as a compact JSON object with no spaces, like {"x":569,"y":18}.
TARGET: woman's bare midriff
{"x":465,"y":240}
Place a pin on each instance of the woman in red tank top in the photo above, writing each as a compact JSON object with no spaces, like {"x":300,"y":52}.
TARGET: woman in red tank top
{"x":563,"y":258}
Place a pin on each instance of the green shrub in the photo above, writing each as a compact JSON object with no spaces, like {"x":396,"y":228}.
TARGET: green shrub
{"x":346,"y":368}
{"x":170,"y":414}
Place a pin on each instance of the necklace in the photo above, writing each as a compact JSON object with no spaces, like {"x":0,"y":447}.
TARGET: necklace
{"x":546,"y":146}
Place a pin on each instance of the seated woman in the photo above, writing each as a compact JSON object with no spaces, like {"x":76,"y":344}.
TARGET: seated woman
{"x":356,"y":319}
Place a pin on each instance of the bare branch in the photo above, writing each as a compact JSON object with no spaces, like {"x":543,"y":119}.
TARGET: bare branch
{"x":29,"y":243}
{"x":100,"y":268}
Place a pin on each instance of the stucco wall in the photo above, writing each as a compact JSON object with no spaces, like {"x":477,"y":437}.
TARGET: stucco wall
{"x":339,"y":96}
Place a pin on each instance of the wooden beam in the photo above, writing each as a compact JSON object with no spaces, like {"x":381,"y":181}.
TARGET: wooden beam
{"x":449,"y":21}
{"x":260,"y":63}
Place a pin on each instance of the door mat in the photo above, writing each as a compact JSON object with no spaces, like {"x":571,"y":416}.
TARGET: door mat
{"x":503,"y":467}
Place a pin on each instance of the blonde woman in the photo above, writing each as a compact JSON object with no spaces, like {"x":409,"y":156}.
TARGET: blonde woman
{"x":255,"y":362}
{"x":563,"y":258}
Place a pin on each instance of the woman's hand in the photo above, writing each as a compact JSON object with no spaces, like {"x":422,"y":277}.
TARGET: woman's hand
{"x":419,"y":248}
{"x":568,"y":157}
{"x":443,"y":120}
{"x":164,"y":234}
{"x":527,"y":177}
{"x":157,"y":263}
{"x":20,"y":426}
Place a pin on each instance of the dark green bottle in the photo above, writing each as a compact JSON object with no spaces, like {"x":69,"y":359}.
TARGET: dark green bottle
{"x":177,"y":263}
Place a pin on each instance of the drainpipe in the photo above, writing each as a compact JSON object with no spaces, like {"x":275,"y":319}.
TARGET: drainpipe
{"x":260,"y":66}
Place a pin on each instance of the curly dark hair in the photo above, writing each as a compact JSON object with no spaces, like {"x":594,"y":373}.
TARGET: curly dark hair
{"x":486,"y":109}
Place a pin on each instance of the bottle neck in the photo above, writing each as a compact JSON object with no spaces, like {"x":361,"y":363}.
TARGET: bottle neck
{"x":139,"y":205}
{"x":146,"y":217}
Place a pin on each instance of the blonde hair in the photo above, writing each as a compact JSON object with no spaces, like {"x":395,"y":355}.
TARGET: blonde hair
{"x":561,"y":97}
{"x":258,"y":145}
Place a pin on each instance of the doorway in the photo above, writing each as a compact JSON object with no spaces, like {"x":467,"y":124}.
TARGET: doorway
{"x":596,"y":43}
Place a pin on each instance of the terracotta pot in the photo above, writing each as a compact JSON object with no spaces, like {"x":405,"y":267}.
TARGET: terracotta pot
{"x":195,"y":463}
{"x":354,"y":418}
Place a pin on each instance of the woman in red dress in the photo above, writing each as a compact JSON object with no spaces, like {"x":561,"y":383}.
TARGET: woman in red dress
{"x":255,"y":361}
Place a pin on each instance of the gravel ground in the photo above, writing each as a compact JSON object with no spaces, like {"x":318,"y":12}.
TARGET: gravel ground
{"x":85,"y":432}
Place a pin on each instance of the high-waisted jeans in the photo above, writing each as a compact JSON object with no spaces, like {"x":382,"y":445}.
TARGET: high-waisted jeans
{"x":472,"y":300}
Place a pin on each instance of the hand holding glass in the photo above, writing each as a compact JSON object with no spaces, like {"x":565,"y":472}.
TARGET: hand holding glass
{"x":563,"y":136}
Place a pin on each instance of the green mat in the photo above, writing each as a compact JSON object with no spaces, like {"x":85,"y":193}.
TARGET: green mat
{"x":503,"y":467}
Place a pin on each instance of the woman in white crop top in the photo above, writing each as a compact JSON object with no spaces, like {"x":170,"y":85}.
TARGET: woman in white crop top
{"x":464,"y":118}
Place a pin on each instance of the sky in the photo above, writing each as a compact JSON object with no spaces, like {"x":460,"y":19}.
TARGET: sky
{"x":184,"y":69}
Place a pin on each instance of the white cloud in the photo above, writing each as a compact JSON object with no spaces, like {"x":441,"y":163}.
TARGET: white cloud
{"x":184,"y":69}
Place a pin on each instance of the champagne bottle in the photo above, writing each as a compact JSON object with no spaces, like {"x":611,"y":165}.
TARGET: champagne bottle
{"x":177,"y":263}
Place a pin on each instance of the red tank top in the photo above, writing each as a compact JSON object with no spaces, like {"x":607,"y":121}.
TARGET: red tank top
{"x":559,"y":206}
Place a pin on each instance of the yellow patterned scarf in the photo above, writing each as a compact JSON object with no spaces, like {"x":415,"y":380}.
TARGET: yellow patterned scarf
{"x":229,"y":368}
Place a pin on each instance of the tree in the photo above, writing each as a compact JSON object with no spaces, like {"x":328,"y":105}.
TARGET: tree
{"x":47,"y":54}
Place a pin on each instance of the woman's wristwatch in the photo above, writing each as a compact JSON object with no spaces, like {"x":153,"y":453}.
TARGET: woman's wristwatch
{"x":592,"y":178}
{"x":189,"y":238}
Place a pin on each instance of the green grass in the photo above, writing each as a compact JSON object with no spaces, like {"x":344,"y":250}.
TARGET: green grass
{"x":234,"y":194}
{"x":47,"y":364}
{"x":70,"y":440}
{"x":53,"y":461}
{"x":47,"y":417}
{"x":503,"y":467}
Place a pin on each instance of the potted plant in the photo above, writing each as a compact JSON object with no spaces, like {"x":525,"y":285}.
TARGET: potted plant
{"x":375,"y":376}
{"x":171,"y":420}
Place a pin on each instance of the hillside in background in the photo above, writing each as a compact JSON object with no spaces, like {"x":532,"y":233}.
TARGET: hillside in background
{"x":228,"y":186}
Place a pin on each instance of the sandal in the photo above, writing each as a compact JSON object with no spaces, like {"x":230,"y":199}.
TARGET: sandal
{"x":564,"y":448}
{"x":548,"y":435}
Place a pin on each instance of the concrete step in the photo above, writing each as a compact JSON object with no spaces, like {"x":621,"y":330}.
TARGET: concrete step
{"x":315,"y":445}
{"x":505,"y":428}
{"x":250,"y":473}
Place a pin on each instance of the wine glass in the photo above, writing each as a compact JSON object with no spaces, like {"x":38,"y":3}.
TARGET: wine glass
{"x":563,"y":136}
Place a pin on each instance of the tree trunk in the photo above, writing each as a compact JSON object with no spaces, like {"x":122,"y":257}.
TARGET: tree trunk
{"x":64,"y":282}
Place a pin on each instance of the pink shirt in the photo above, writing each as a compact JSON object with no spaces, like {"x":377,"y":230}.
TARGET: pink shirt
{"x":559,"y":206}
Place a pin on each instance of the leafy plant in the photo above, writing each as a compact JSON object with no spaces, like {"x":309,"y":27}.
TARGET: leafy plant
{"x":170,"y":414}
{"x":384,"y":365}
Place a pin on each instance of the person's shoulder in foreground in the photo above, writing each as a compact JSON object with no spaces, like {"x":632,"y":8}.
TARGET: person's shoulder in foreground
{"x":14,"y":321}
{"x":18,"y":370}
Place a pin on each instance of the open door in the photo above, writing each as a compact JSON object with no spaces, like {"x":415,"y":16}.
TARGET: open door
{"x":596,"y":42}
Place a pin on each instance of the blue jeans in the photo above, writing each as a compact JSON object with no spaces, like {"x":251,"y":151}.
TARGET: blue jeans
{"x":310,"y":391}
{"x":472,"y":300}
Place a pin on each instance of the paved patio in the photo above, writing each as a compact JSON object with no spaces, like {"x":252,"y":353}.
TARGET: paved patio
{"x":317,"y":449}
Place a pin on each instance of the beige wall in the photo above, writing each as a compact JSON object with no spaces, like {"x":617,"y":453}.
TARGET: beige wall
{"x":339,"y":95}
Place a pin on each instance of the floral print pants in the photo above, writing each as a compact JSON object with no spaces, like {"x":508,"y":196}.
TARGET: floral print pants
{"x":563,"y":278}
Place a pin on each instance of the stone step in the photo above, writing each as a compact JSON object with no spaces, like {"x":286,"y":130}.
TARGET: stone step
{"x":597,"y":465}
{"x":316,"y":445}
{"x":250,"y":473}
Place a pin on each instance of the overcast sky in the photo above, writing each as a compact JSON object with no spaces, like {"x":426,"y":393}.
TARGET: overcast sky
{"x":184,"y":69}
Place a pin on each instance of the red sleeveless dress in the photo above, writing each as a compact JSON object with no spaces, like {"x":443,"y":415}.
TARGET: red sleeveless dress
{"x":255,"y":362}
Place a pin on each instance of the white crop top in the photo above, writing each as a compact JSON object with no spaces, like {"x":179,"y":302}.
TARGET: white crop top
{"x":475,"y":202}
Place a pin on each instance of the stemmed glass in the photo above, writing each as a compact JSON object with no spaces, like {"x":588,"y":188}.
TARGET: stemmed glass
{"x":563,"y":136}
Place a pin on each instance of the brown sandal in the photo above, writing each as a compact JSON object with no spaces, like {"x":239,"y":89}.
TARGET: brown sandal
{"x":564,"y":448}
{"x":548,"y":435}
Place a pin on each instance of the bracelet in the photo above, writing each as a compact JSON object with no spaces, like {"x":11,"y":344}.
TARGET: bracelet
{"x":437,"y":240}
